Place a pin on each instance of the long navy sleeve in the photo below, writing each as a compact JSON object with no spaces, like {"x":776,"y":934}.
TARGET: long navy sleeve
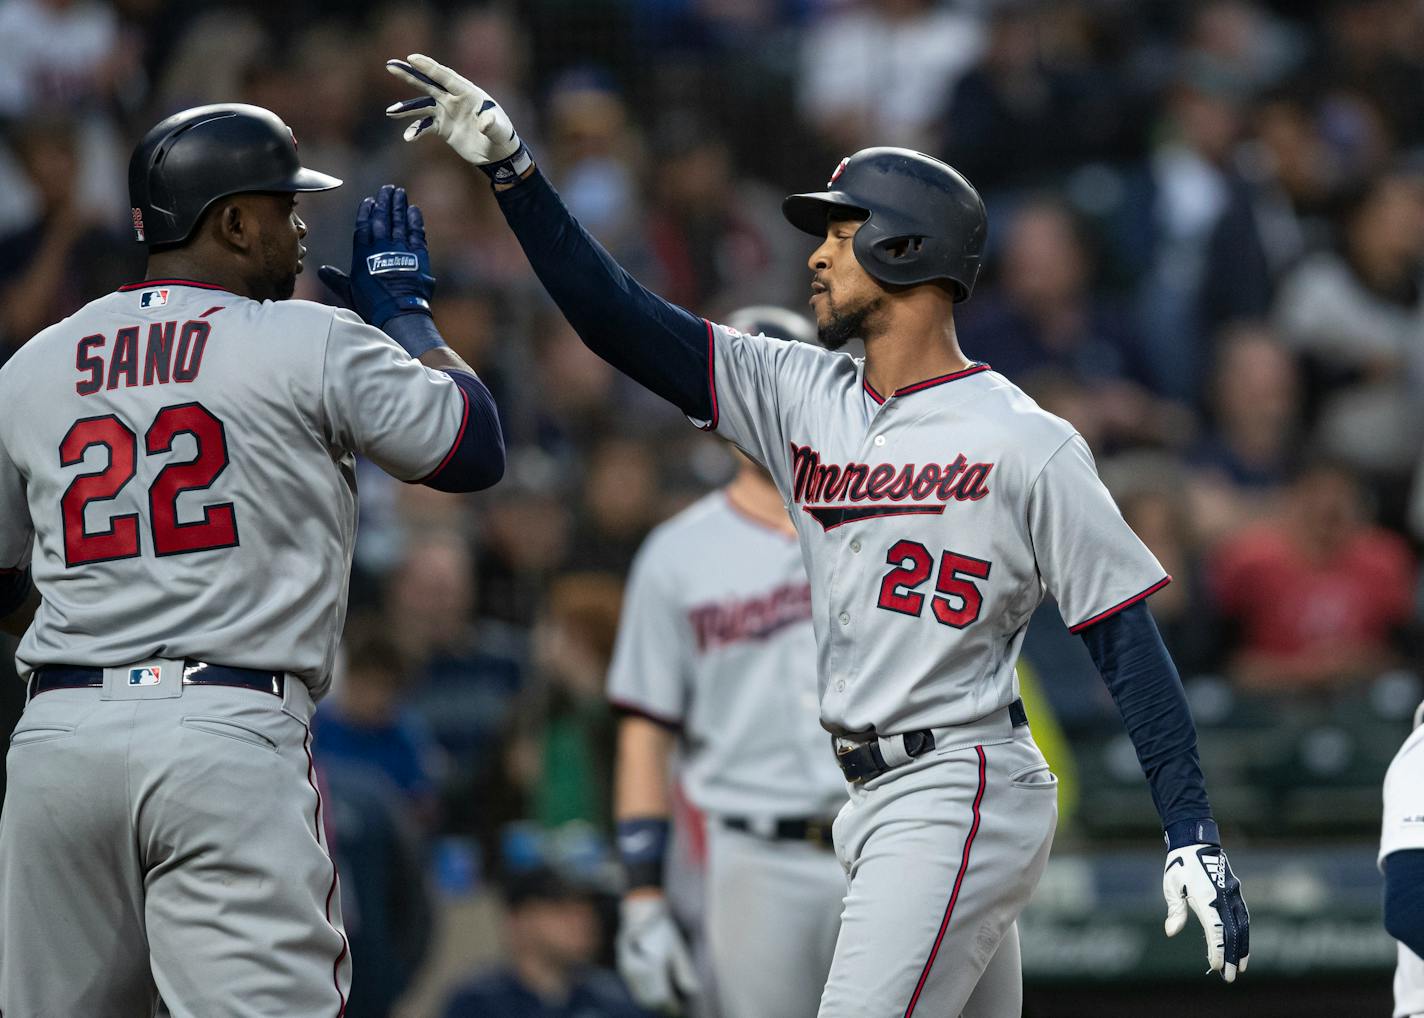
{"x":1404,"y":898}
{"x":657,"y":344}
{"x":1143,"y":681}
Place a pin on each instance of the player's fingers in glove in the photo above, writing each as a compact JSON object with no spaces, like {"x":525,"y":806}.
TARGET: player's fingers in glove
{"x":406,"y":72}
{"x":415,"y":229}
{"x":400,"y":209}
{"x":364,"y":214}
{"x":1211,"y":925}
{"x":381,"y":215}
{"x":407,"y":108}
{"x":1236,"y":936}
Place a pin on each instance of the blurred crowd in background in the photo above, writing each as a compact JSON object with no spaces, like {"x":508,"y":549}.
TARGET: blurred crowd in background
{"x":1206,"y":251}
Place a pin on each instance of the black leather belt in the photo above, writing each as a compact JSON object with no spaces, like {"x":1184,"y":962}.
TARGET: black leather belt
{"x":195,"y":673}
{"x":815,"y":830}
{"x":863,"y":761}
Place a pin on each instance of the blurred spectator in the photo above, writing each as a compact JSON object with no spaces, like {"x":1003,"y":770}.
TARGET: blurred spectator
{"x":593,"y":153}
{"x":1043,"y":317}
{"x":1358,"y":314}
{"x":620,"y":503}
{"x":714,"y":238}
{"x":562,"y":755}
{"x":552,"y":934}
{"x":1374,"y":47}
{"x":62,"y":257}
{"x":367,"y":723}
{"x":1241,"y":465}
{"x":385,"y":895}
{"x":878,"y":72}
{"x":60,"y":55}
{"x":526,"y":539}
{"x":464,"y":675}
{"x":1004,"y":125}
{"x":1317,"y":591}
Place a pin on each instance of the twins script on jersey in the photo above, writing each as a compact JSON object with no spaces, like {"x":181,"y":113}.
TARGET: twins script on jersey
{"x":186,"y":455}
{"x":931,"y":519}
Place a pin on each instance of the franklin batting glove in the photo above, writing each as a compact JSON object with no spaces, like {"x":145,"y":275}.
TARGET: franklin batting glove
{"x":1199,"y":878}
{"x":463,"y":114}
{"x":653,"y":958}
{"x":390,"y":263}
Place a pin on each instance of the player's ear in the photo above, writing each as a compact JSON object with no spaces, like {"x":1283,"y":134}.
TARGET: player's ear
{"x":233,"y":226}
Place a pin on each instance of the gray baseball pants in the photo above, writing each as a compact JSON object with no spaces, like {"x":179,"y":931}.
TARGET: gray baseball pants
{"x":773,"y":909}
{"x":167,"y":841}
{"x":941,"y":855}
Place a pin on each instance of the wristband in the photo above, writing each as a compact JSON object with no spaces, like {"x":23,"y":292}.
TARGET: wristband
{"x":1191,"y":832}
{"x":415,"y":331}
{"x":642,"y":845}
{"x":511,"y":168}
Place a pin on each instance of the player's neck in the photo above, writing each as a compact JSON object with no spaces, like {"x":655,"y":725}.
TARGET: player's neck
{"x":753,"y":494}
{"x":186,"y":264}
{"x":911,"y":348}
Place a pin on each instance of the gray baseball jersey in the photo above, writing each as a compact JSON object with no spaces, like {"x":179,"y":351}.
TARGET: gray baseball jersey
{"x":716,"y":638}
{"x":1403,"y":830}
{"x":186,"y":458}
{"x":931,"y":520}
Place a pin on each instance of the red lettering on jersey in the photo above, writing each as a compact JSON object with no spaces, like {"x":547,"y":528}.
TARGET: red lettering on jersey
{"x":158,"y":355}
{"x":191,"y":343}
{"x":817,"y":482}
{"x":721,"y":623}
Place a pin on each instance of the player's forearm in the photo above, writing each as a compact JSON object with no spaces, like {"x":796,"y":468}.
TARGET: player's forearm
{"x":640,"y":782}
{"x":1144,"y":684}
{"x":657,"y":344}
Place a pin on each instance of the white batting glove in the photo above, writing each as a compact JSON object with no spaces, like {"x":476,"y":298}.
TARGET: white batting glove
{"x":462,"y":113}
{"x":1199,"y":878}
{"x":653,"y":958}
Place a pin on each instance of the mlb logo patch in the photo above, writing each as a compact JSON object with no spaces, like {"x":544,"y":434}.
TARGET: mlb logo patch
{"x":153,"y":299}
{"x":147,"y":676}
{"x":391,"y":261}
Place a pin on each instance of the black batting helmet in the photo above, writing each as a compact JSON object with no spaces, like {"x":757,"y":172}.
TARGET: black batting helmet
{"x":193,"y":158}
{"x":923,"y":220}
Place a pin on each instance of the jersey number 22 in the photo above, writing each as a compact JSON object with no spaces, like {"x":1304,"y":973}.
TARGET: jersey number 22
{"x":217,"y":528}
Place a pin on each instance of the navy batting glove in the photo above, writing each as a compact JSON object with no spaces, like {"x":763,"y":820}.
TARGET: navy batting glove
{"x":390,"y":263}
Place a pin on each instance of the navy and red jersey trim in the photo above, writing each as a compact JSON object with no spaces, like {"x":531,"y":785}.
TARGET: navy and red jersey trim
{"x":870,"y":391}
{"x":149,"y":284}
{"x":1106,"y":613}
{"x":459,"y":437}
{"x":711,"y":425}
{"x":929,"y":383}
{"x":639,"y":711}
{"x":954,"y":895}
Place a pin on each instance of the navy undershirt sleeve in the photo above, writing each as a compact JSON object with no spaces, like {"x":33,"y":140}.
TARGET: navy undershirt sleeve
{"x":657,"y":344}
{"x":1143,"y":681}
{"x":476,"y":460}
{"x":1404,"y":898}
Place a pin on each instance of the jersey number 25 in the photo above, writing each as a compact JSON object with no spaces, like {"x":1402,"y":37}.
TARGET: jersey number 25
{"x":217,"y":528}
{"x":957,"y":601}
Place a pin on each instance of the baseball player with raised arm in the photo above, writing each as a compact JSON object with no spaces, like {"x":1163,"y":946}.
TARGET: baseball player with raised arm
{"x":934,"y":503}
{"x":715,"y":640}
{"x":1401,"y":859}
{"x":177,"y":478}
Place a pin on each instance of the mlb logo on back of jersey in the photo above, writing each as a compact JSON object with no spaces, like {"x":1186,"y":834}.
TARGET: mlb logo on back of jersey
{"x":146,"y":676}
{"x":153,"y":299}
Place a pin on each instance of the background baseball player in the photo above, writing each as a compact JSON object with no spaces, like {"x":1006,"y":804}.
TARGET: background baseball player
{"x":935,"y":503}
{"x":1401,"y":858}
{"x":716,"y":638}
{"x":180,"y":453}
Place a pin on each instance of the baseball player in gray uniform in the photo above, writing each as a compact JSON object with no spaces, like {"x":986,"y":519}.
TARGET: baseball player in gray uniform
{"x":935,"y":504}
{"x":715,"y":639}
{"x":1401,"y":859}
{"x":176,"y":478}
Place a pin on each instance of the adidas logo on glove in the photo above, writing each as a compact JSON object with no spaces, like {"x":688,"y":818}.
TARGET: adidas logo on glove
{"x":391,"y":261}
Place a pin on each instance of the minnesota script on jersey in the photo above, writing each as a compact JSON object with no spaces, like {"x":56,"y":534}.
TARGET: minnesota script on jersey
{"x":716,"y":639}
{"x":932,"y":520}
{"x":186,"y":456}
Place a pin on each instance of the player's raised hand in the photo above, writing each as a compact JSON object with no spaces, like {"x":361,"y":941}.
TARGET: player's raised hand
{"x":390,"y":263}
{"x":462,"y":113}
{"x":653,"y":958}
{"x":1199,"y":878}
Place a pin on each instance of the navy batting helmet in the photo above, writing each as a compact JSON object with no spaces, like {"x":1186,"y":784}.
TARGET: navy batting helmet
{"x":923,"y":220}
{"x":193,"y":158}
